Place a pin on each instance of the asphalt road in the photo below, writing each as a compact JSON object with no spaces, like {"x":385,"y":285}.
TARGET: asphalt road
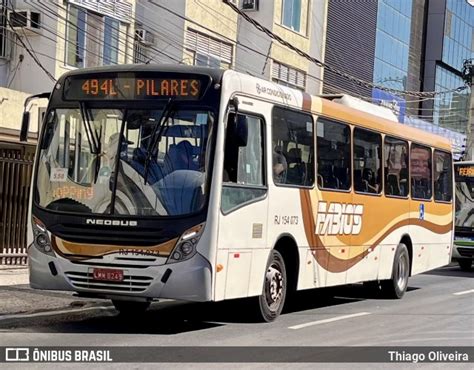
{"x":437,"y":310}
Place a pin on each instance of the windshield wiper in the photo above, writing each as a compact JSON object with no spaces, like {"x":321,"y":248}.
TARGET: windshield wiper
{"x":156,"y":135}
{"x":94,"y":140}
{"x":90,"y":135}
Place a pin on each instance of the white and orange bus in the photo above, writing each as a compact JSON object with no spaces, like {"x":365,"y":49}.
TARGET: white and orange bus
{"x":206,"y":185}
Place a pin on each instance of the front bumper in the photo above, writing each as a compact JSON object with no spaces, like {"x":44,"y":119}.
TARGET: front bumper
{"x":189,"y":280}
{"x":463,"y":249}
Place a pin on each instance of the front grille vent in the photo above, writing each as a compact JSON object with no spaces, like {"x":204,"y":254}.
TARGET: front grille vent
{"x":130,"y":283}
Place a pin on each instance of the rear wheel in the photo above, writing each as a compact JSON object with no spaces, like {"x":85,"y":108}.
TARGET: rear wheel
{"x":128,"y":308}
{"x":270,"y":303}
{"x":396,"y":286}
{"x":465,"y":264}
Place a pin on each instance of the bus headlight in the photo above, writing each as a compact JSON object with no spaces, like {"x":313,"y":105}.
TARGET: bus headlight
{"x":186,"y":246}
{"x":41,"y":238}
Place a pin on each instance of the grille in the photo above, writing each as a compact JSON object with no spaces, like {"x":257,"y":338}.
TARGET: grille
{"x":466,"y":252}
{"x":130,"y":283}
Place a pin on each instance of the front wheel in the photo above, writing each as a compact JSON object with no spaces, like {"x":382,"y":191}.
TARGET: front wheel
{"x":465,"y":264}
{"x":270,"y":303}
{"x":396,"y":286}
{"x":128,"y":308}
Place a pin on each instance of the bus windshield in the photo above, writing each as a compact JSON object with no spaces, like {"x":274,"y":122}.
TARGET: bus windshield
{"x":124,"y":161}
{"x":464,"y":195}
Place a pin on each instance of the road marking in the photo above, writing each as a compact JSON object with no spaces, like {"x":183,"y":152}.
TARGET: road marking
{"x":464,"y":292}
{"x":337,"y":318}
{"x":53,"y":313}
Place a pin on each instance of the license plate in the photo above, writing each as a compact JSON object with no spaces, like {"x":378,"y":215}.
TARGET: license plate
{"x":107,"y":274}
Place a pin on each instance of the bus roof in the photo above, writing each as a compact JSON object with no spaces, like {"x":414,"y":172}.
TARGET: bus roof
{"x":370,"y":121}
{"x":317,"y":105}
{"x":296,"y":99}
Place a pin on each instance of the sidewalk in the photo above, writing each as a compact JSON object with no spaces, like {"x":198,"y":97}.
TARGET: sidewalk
{"x":13,"y":275}
{"x":16,"y":296}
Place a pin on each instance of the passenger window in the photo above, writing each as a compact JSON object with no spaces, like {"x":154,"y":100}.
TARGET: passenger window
{"x":334,"y":155}
{"x":396,"y":167}
{"x":293,"y":148}
{"x":367,"y":161}
{"x":420,"y":170}
{"x":443,"y":180}
{"x":244,"y":175}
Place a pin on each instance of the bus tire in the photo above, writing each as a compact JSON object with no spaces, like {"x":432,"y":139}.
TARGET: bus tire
{"x":129,"y":308}
{"x":275,"y":285}
{"x":465,"y":264}
{"x":396,"y":286}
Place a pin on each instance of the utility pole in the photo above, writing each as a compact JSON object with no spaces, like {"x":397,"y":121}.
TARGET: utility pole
{"x":468,"y":76}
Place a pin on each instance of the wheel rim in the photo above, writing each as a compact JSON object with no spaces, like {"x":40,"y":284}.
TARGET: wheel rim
{"x":274,"y":285}
{"x":402,"y":272}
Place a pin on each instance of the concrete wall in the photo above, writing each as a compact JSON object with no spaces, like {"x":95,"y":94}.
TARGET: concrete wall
{"x":11,"y":109}
{"x":310,"y":39}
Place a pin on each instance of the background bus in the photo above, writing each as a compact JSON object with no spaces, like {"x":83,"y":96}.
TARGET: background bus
{"x":463,"y":251}
{"x":206,"y":185}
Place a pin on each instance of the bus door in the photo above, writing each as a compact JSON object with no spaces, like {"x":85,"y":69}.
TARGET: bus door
{"x":242,"y":236}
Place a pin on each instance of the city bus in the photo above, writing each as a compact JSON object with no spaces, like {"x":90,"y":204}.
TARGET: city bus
{"x":463,"y":251}
{"x":199,"y":184}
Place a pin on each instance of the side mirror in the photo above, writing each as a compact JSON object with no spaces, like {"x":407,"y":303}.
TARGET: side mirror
{"x":25,"y":121}
{"x":25,"y":125}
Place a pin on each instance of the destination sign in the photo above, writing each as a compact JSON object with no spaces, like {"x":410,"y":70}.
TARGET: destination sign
{"x":465,"y":171}
{"x":133,"y":88}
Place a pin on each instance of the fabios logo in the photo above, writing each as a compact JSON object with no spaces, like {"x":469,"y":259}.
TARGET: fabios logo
{"x":339,"y":218}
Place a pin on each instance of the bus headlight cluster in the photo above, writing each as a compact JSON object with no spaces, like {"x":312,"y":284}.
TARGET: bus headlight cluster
{"x":41,"y":238}
{"x":186,"y":246}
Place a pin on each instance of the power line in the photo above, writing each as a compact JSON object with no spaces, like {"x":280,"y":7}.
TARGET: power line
{"x":119,"y":31}
{"x":30,"y":52}
{"x":316,"y":61}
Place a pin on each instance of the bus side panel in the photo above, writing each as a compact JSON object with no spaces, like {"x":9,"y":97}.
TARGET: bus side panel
{"x":431,"y":233}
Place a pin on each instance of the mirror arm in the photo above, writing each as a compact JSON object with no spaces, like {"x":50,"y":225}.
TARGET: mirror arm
{"x":25,"y":122}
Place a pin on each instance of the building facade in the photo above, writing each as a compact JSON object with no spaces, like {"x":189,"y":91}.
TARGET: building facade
{"x":210,"y":33}
{"x":409,"y":45}
{"x":39,"y":41}
{"x":446,"y":49}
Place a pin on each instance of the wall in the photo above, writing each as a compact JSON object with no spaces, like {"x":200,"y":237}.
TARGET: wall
{"x":350,"y":45}
{"x":11,"y":109}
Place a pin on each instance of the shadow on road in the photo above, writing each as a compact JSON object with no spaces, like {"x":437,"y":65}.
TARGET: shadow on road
{"x":171,"y":317}
{"x":452,"y":270}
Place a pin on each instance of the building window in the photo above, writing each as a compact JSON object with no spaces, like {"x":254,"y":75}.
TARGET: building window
{"x":288,"y":76}
{"x":208,"y":51}
{"x":291,"y":14}
{"x":76,"y":39}
{"x":3,"y":29}
{"x":111,"y":40}
{"x":92,"y":38}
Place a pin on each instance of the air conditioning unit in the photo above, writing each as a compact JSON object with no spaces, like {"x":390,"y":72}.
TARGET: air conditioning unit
{"x":249,"y":5}
{"x":26,"y":20}
{"x":144,"y":37}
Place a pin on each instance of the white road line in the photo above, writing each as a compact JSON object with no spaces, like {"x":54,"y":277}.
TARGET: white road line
{"x":53,"y":313}
{"x":337,"y":318}
{"x":464,"y":292}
